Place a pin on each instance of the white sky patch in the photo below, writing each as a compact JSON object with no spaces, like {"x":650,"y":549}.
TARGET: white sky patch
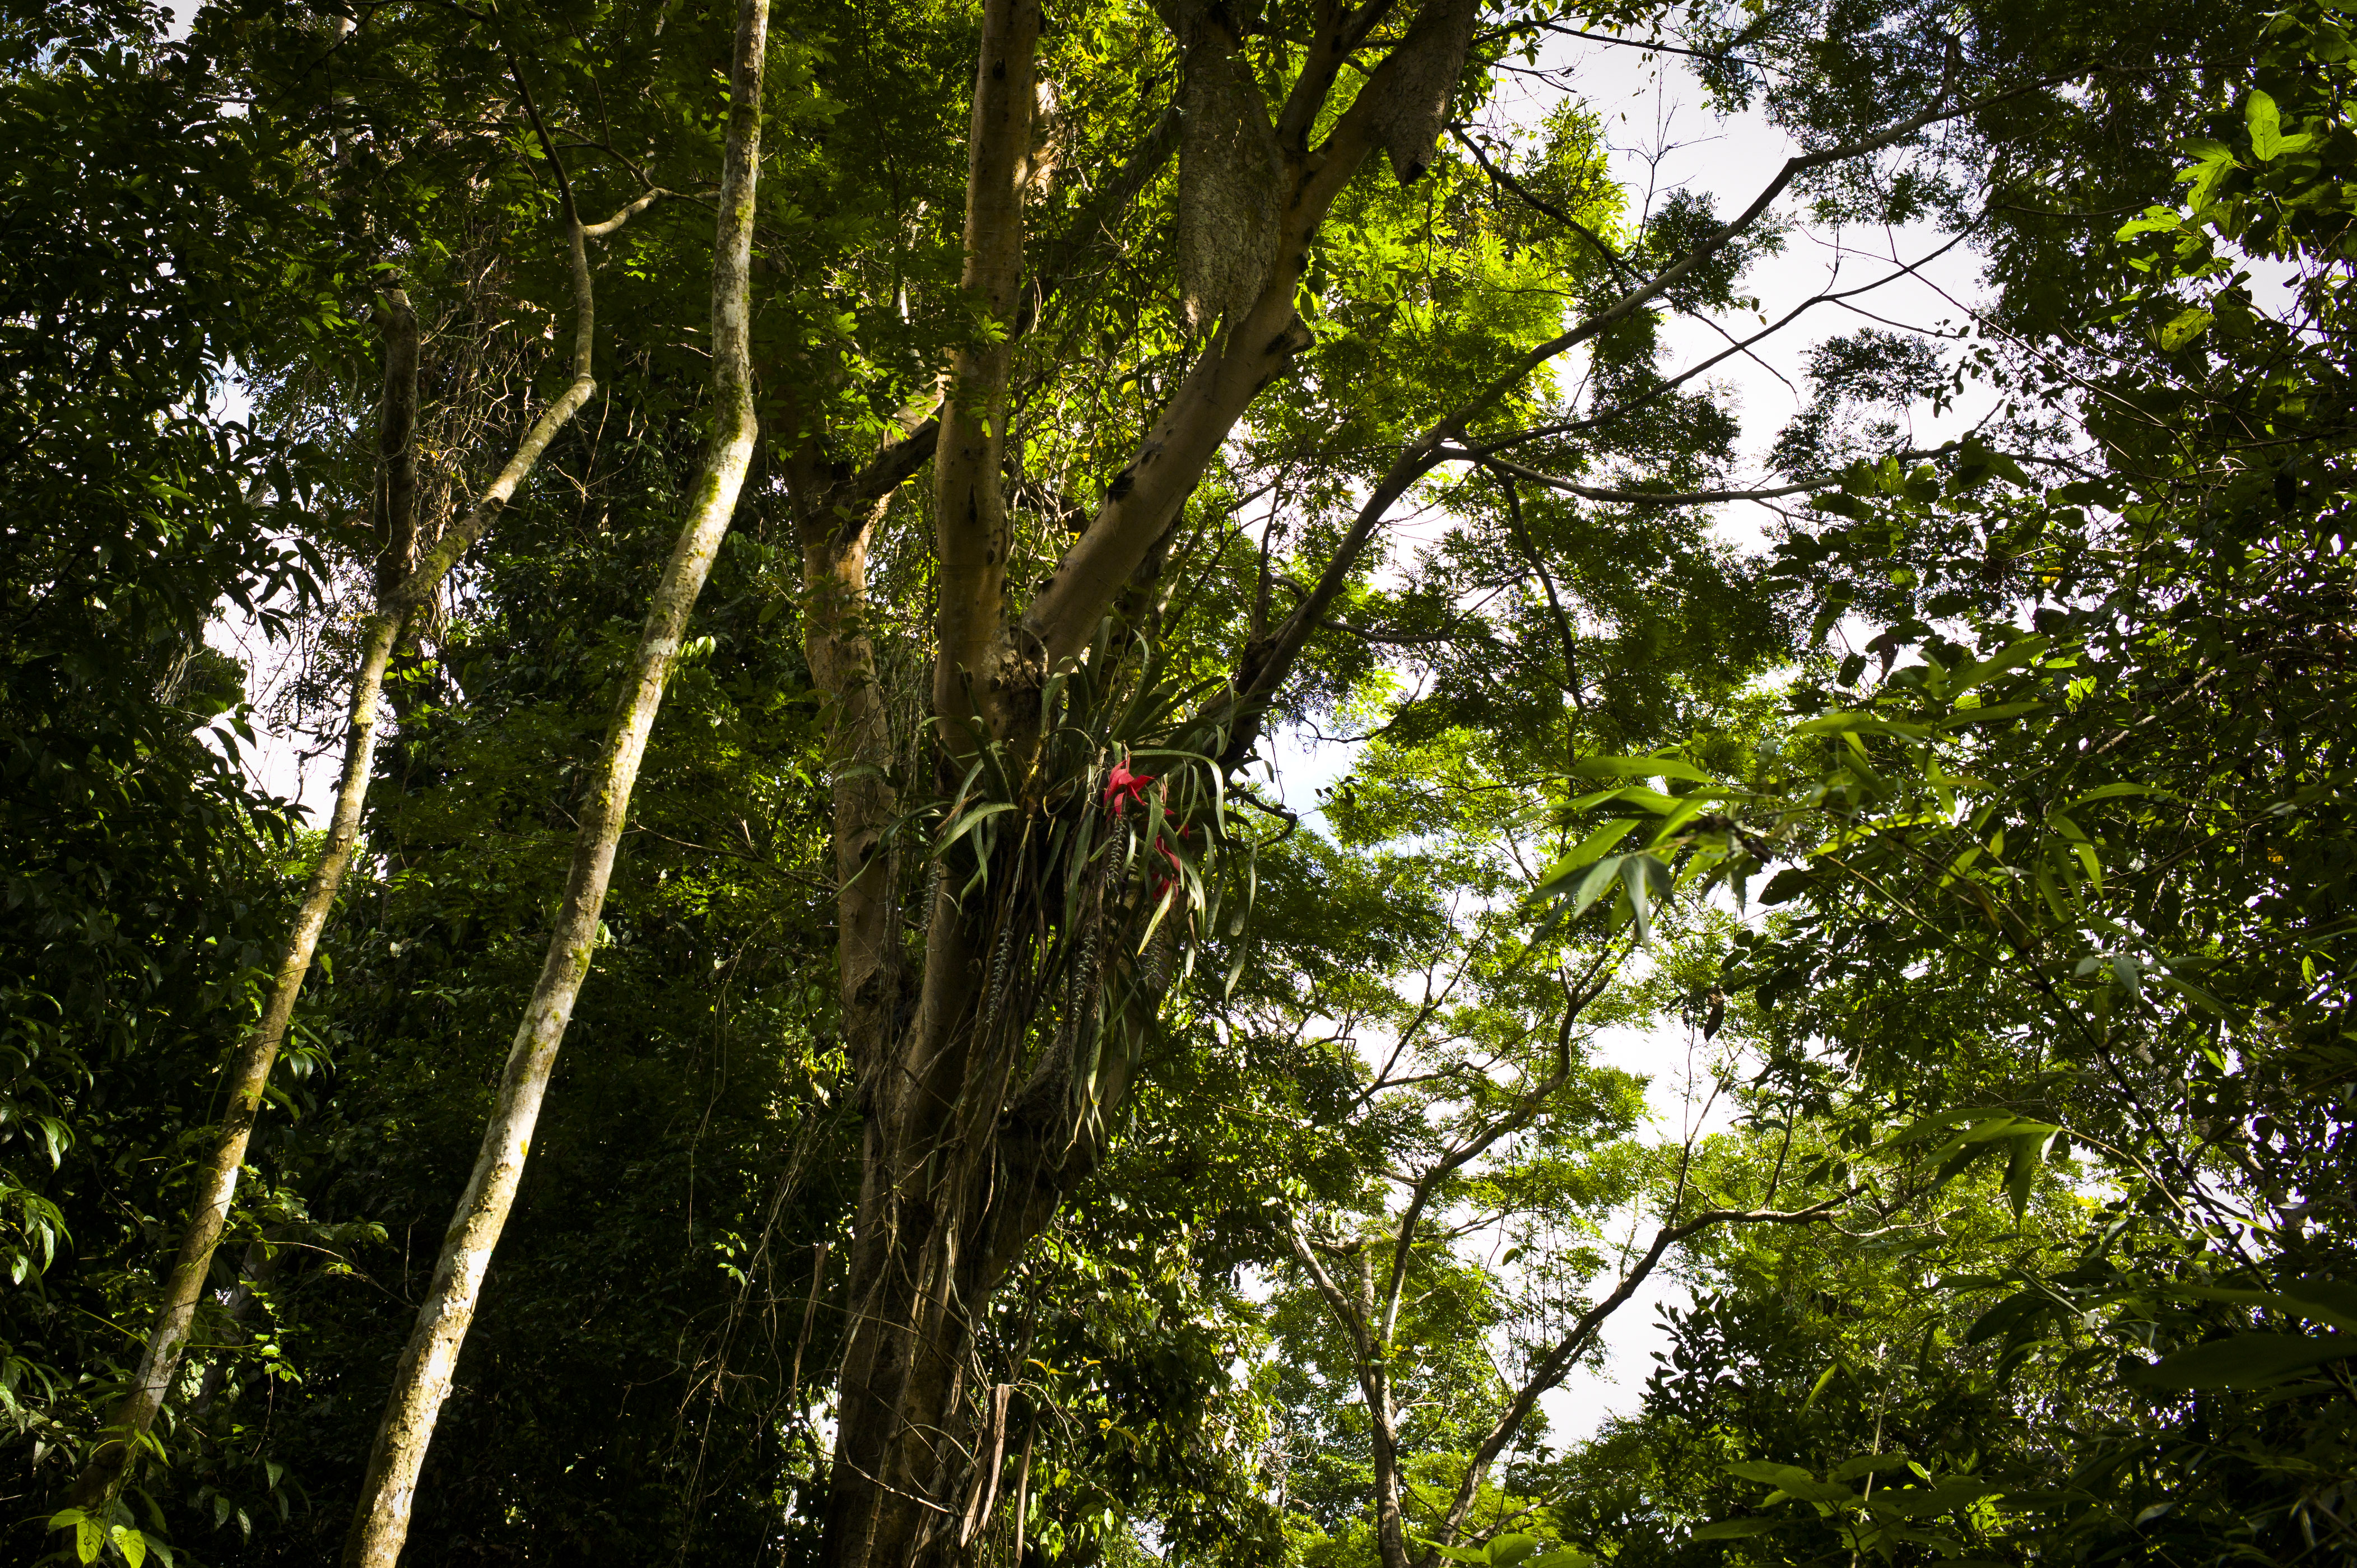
{"x":280,"y":762}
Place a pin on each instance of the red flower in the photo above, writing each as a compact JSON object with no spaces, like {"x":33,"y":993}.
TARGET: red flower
{"x":1161,"y":847}
{"x":1122,"y":787}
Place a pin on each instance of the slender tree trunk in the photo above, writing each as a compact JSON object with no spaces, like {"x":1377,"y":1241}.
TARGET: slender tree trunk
{"x":399,"y":594}
{"x":422,"y":1376}
{"x":1374,"y":1333}
{"x":394,"y":505}
{"x":1390,"y":1538}
{"x":159,"y":1360}
{"x":842,"y":655}
{"x":969,"y":503}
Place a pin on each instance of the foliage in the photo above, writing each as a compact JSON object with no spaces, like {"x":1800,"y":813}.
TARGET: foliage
{"x":1984,"y":839}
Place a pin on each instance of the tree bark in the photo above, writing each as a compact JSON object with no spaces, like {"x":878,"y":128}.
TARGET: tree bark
{"x":898,"y":1379}
{"x":422,"y":1376}
{"x":969,"y":505}
{"x":964,"y":1163}
{"x":399,"y":594}
{"x":395,"y":505}
{"x":248,"y":1077}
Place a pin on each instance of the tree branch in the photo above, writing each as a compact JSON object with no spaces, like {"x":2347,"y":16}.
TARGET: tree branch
{"x":1553,"y":1367}
{"x":1265,"y":666}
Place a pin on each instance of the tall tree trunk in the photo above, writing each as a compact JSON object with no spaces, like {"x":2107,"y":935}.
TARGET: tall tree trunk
{"x":966,"y":1159}
{"x":895,"y":1393}
{"x":394,"y":505}
{"x":969,"y":502}
{"x":422,"y":1376}
{"x":400,"y":590}
{"x":1390,"y":1536}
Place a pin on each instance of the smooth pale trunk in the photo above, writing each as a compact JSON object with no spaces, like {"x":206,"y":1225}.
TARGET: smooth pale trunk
{"x":422,"y":1376}
{"x":249,"y":1074}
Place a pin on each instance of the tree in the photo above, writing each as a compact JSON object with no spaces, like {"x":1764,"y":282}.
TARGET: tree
{"x":977,"y":1134}
{"x":1183,"y":291}
{"x":409,"y":573}
{"x":2085,"y":866}
{"x":141,"y":865}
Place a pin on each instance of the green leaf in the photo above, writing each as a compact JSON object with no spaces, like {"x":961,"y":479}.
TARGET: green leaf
{"x":1561,"y":1557}
{"x":2325,"y":1301}
{"x":1589,"y":848}
{"x":2012,"y":1313}
{"x":1925,"y":1502}
{"x":2154,"y":219}
{"x":1769,"y":1475}
{"x":2245,"y":1361}
{"x":130,"y":1544}
{"x":2014,"y":655}
{"x":90,"y":1535}
{"x":1733,"y":1528}
{"x":972,"y":820}
{"x":2268,"y":140}
{"x":2328,"y":1301}
{"x":1963,"y":716}
{"x":2266,"y":126}
{"x":1639,"y":768}
{"x":1792,"y":1479}
{"x":2114,"y":791}
{"x":1860,"y":724}
{"x":1923,"y":1127}
{"x":2029,"y":1150}
{"x":1591,"y":886}
{"x":1644,"y":879}
{"x":2183,"y":328}
{"x":1652,"y":799}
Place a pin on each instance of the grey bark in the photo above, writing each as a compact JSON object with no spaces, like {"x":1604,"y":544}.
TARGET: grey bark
{"x":401,"y":591}
{"x":1230,"y":171}
{"x":422,"y":1376}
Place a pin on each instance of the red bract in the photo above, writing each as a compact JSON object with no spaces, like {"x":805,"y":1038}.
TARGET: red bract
{"x":1162,"y":847}
{"x":1122,"y":787}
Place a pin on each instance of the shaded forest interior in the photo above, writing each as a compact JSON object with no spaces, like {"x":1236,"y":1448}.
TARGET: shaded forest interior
{"x":808,"y":1016}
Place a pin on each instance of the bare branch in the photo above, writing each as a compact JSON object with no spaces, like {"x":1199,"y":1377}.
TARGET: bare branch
{"x":1552,"y":1368}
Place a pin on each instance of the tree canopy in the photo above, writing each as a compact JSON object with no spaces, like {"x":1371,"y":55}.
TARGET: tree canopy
{"x":819,"y":1022}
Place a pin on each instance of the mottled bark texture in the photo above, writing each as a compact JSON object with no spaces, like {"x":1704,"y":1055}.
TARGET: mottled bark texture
{"x":405,"y":582}
{"x":422,"y":1376}
{"x":1230,"y":170}
{"x":974,"y":1134}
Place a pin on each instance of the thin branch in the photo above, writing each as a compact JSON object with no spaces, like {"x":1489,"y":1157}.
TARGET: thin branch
{"x":1517,"y":1117}
{"x":1267,"y":664}
{"x":547,"y":147}
{"x":1555,"y":605}
{"x":1508,"y":182}
{"x":1553,"y":1367}
{"x":1652,"y":45}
